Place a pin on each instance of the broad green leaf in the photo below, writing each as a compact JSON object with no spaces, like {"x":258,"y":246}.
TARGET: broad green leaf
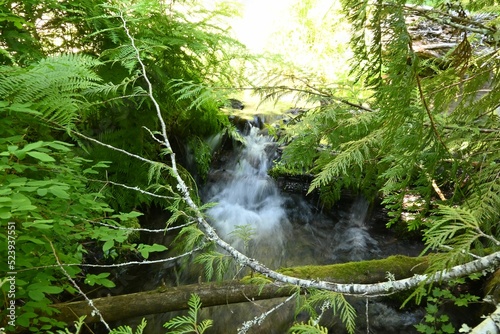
{"x":24,"y":319}
{"x":100,"y":279}
{"x":108,"y":245}
{"x":20,"y":154}
{"x":5,"y":191}
{"x":33,"y":146}
{"x":30,"y":239}
{"x":18,"y":181}
{"x":38,"y":225}
{"x":146,"y":249}
{"x":5,"y":201}
{"x":44,"y":157}
{"x":5,"y":213}
{"x":59,"y":145}
{"x":59,"y":191}
{"x":21,"y":203}
{"x":42,"y":191}
{"x":36,"y":294}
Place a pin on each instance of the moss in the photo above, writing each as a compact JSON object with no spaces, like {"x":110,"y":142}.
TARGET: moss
{"x":281,"y":170}
{"x":493,"y":286}
{"x":371,"y":271}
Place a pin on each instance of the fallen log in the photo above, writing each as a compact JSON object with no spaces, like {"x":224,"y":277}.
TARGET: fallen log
{"x":168,"y":299}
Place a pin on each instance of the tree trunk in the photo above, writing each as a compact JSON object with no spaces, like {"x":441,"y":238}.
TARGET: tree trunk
{"x":163,"y":300}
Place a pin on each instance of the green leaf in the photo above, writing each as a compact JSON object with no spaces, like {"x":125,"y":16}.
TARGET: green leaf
{"x":100,"y":279}
{"x":5,"y":213}
{"x":41,"y":191}
{"x":108,"y":245}
{"x":59,"y":191}
{"x":44,"y":157}
{"x":36,"y":294}
{"x":21,"y":203}
{"x":448,"y":328}
{"x":32,"y":146}
{"x":31,"y":239}
{"x":5,"y":201}
{"x":146,"y":249}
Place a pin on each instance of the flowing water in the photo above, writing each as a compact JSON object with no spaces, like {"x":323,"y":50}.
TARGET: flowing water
{"x":284,"y":229}
{"x":250,"y":211}
{"x":281,"y":229}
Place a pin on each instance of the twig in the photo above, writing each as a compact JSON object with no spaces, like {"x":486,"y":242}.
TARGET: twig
{"x":464,"y":25}
{"x":145,"y":192}
{"x":259,"y":319}
{"x":89,"y":301}
{"x":116,"y":265}
{"x":367,"y":318}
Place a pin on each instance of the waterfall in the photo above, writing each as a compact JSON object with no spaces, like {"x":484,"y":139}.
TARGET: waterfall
{"x":250,"y":211}
{"x":284,"y":229}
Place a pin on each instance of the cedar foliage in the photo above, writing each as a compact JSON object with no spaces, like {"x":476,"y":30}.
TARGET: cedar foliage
{"x":409,"y":127}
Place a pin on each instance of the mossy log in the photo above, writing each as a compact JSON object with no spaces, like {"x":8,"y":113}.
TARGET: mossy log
{"x":168,"y":299}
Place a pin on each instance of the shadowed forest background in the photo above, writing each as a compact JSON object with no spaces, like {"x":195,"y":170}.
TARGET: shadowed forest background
{"x":130,"y":131}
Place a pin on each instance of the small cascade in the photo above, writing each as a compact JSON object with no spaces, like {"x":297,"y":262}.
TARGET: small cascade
{"x":285,"y":230}
{"x":280,"y":229}
{"x":250,"y":213}
{"x":351,"y":240}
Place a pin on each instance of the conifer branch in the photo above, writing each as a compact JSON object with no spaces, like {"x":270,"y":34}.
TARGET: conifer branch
{"x":451,"y":20}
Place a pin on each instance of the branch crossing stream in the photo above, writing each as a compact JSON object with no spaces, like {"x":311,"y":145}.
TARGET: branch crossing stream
{"x":285,"y":229}
{"x":281,"y":229}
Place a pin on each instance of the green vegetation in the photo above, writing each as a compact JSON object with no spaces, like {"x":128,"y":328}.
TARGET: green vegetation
{"x":435,"y":320}
{"x":189,"y":323}
{"x":90,"y":91}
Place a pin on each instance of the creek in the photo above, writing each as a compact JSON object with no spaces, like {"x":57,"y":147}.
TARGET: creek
{"x":283,"y":229}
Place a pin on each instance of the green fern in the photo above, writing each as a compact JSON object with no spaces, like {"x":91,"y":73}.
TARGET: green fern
{"x":334,"y":301}
{"x":309,"y":328}
{"x":189,"y":323}
{"x":56,"y":86}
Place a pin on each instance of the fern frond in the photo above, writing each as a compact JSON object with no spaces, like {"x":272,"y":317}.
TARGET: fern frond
{"x":128,"y":330}
{"x":309,"y":328}
{"x":189,"y":324}
{"x":55,"y":86}
{"x":189,"y":237}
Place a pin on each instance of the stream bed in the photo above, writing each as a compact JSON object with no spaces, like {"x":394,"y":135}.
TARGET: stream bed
{"x":282,"y":229}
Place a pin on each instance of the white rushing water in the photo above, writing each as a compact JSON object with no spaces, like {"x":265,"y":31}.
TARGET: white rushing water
{"x":250,"y":210}
{"x":250,"y":205}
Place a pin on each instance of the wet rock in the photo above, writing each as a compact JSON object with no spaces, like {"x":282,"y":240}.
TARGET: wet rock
{"x":236,"y":104}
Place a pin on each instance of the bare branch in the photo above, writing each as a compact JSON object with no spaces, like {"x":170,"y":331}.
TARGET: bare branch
{"x":95,"y":311}
{"x":116,"y":265}
{"x":259,"y":319}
